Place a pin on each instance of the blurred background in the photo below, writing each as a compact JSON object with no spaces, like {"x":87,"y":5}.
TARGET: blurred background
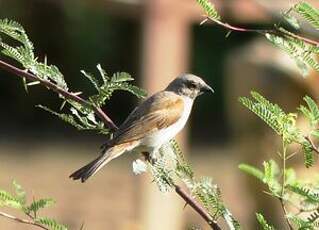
{"x":154,"y":40}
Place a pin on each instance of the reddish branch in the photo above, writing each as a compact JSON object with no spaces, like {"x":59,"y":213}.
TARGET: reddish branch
{"x":274,"y":31}
{"x":69,"y":95}
{"x":313,"y":146}
{"x":197,"y":207}
{"x":99,"y":112}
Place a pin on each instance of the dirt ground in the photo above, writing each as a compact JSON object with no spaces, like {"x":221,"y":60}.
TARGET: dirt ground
{"x":109,"y":200}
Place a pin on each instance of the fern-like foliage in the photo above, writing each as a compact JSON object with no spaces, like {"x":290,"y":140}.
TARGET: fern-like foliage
{"x":303,"y":54}
{"x":24,"y":54}
{"x":50,"y":223}
{"x":305,"y":193}
{"x":171,"y":166}
{"x":118,"y":81}
{"x":284,"y":124}
{"x":269,"y":176}
{"x":308,"y":12}
{"x":209,"y":9}
{"x":263,"y":223}
{"x":312,"y":112}
{"x":81,"y":116}
{"x":18,"y":201}
{"x":282,"y":182}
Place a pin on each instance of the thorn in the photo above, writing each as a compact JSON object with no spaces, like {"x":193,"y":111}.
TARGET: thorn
{"x":185,"y":205}
{"x":203,"y":21}
{"x":25,"y":85}
{"x":291,"y":155}
{"x":279,"y":154}
{"x":77,"y":93}
{"x":228,"y":33}
{"x":33,"y":83}
{"x":62,"y":105}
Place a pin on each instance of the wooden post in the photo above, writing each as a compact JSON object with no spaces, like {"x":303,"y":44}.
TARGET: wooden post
{"x":165,"y":56}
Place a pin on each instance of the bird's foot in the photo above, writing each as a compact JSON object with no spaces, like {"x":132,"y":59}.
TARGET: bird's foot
{"x":149,"y":157}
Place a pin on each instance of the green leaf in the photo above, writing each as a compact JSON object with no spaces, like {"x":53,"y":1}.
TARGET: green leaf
{"x":306,"y":193}
{"x":183,"y":169}
{"x":20,"y":193}
{"x":315,"y":133}
{"x":92,"y":79}
{"x":262,"y":111}
{"x":103,"y":73}
{"x":290,"y":175}
{"x":292,"y":21}
{"x":64,"y":117}
{"x":308,"y":12}
{"x":252,"y":171}
{"x":162,"y":175}
{"x":209,"y":9}
{"x":121,"y":77}
{"x":51,"y":223}
{"x":282,"y":123}
{"x":313,"y":216}
{"x":231,"y":221}
{"x":264,"y":224}
{"x":302,"y":53}
{"x":271,"y":172}
{"x":36,"y":205}
{"x":301,"y":223}
{"x":210,"y":196}
{"x":7,"y":200}
{"x":314,"y":110}
{"x":309,"y":159}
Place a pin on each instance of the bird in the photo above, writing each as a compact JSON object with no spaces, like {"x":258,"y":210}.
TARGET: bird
{"x":151,"y":124}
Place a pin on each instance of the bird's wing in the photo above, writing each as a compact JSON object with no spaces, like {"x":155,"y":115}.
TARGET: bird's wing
{"x":159,"y":111}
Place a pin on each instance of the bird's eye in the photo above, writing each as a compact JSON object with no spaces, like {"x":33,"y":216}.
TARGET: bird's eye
{"x":192,"y":84}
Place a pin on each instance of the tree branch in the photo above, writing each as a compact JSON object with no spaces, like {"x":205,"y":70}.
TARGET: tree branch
{"x":103,"y":116}
{"x":197,"y":207}
{"x":285,"y":213}
{"x":313,"y":146}
{"x":274,"y":31}
{"x":23,"y":221}
{"x":69,"y":95}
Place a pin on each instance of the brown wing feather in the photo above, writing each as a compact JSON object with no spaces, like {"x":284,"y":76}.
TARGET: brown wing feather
{"x":157,"y":112}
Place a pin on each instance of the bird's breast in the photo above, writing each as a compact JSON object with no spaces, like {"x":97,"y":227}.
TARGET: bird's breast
{"x":158,"y":138}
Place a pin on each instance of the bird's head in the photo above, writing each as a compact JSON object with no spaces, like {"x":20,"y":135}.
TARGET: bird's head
{"x":189,"y":85}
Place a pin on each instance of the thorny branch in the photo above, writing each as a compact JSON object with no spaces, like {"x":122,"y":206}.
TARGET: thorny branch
{"x":197,"y":207}
{"x":274,"y":31}
{"x":103,"y":116}
{"x":313,"y":146}
{"x":69,"y":95}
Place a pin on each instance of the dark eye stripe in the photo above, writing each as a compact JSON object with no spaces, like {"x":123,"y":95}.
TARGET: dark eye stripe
{"x":192,"y":84}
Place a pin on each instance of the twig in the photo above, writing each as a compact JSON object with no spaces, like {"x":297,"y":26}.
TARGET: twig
{"x":69,"y":95}
{"x":283,"y":183}
{"x":313,"y":146}
{"x":23,"y":221}
{"x":274,"y":31}
{"x":285,"y":213}
{"x":197,"y":207}
{"x":103,"y":116}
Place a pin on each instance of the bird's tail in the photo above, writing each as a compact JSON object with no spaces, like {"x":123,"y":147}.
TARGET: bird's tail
{"x":94,"y":166}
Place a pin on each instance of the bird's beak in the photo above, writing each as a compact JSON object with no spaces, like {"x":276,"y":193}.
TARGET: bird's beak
{"x":207,"y":88}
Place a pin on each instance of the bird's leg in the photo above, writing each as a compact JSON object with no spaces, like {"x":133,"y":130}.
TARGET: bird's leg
{"x":149,"y":157}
